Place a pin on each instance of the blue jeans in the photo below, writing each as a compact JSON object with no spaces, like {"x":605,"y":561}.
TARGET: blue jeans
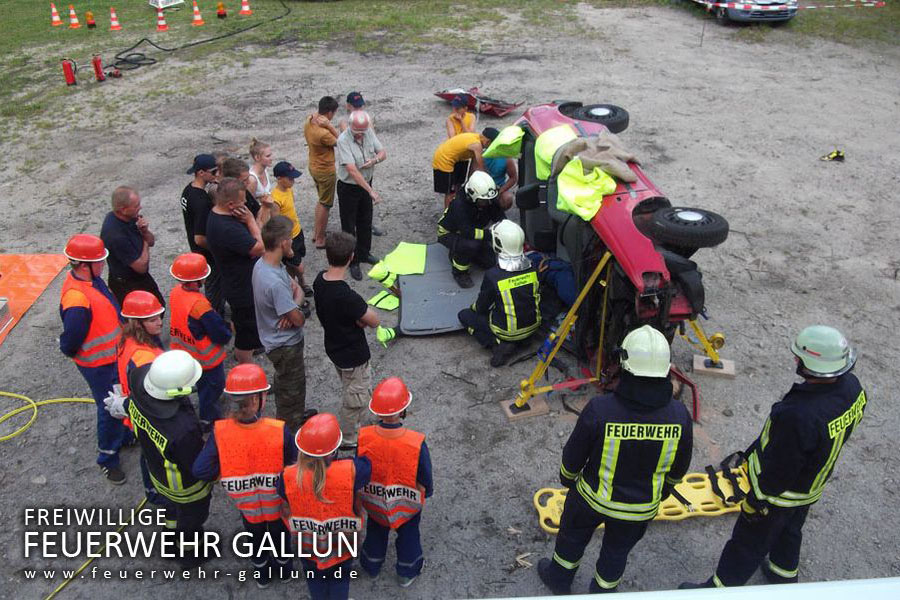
{"x":323,"y":585}
{"x":409,"y":548}
{"x":209,"y":390}
{"x":111,"y":433}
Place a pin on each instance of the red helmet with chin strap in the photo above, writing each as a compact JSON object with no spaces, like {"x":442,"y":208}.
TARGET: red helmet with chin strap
{"x":391,"y":397}
{"x":84,"y":247}
{"x":140,"y":304}
{"x":190,"y":267}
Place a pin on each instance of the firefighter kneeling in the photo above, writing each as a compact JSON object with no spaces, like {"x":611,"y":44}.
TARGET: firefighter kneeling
{"x":247,"y":453}
{"x":401,"y":480}
{"x":628,"y":450}
{"x":506,"y":311}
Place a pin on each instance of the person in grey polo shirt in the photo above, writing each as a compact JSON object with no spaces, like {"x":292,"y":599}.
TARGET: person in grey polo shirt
{"x":279,"y":319}
{"x":358,"y":151}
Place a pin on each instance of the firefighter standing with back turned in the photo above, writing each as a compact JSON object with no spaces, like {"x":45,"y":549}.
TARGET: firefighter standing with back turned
{"x":247,"y":453}
{"x":792,"y":459}
{"x":401,"y":480}
{"x":91,"y":332}
{"x":628,"y":450}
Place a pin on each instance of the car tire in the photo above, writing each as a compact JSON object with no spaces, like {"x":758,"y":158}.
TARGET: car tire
{"x":615,"y":118}
{"x":687,"y":227}
{"x":567,"y":107}
{"x":722,"y":15}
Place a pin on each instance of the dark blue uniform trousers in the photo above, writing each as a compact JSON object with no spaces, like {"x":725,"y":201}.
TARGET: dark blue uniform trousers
{"x":329,"y":584}
{"x":576,"y":526}
{"x":409,"y":548}
{"x":209,"y":390}
{"x":111,"y":433}
{"x":778,"y":534}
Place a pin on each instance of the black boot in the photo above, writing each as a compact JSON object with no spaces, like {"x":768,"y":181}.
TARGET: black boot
{"x":463,"y":278}
{"x":502,"y":353}
{"x":543,"y":570}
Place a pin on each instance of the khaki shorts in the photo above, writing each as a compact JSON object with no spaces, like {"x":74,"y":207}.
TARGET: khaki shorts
{"x":325,"y":184}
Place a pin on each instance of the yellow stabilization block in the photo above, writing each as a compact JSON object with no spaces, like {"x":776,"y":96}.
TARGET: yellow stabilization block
{"x":695,"y":488}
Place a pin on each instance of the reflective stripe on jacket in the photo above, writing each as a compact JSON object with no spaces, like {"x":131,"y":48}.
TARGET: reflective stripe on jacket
{"x":99,"y":345}
{"x":251,"y":458}
{"x":392,"y":497}
{"x":208,"y":354}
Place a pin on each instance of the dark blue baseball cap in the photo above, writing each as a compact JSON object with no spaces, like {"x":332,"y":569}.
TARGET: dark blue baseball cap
{"x":202,"y":162}
{"x":286,"y":169}
{"x":459,"y":100}
{"x":355,"y":100}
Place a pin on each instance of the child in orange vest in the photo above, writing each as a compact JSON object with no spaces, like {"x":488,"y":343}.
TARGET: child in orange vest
{"x":400,"y":464}
{"x":247,"y":453}
{"x":200,"y":331}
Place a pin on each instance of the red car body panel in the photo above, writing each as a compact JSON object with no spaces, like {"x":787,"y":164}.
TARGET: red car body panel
{"x":613,"y":223}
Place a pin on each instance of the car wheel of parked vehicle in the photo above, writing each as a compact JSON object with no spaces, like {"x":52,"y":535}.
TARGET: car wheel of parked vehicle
{"x":613,"y":117}
{"x":567,"y":107}
{"x":722,"y":15}
{"x":687,"y":227}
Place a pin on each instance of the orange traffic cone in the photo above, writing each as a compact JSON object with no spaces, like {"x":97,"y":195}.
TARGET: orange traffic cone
{"x":89,"y":18}
{"x":54,"y":16}
{"x":220,"y":10}
{"x":245,"y":8}
{"x":198,"y":18}
{"x":114,"y":20}
{"x":73,"y":18}
{"x":161,"y":20}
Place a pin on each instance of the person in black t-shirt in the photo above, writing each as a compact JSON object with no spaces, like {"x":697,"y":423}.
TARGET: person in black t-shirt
{"x":234,"y":239}
{"x":127,"y":236}
{"x":344,"y":315}
{"x":195,"y":206}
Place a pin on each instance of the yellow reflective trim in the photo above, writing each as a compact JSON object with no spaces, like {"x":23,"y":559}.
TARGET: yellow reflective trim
{"x":666,"y":458}
{"x":607,"y":467}
{"x":479,"y":234}
{"x":606,"y":585}
{"x":458,"y":266}
{"x":787,"y":574}
{"x":510,"y":283}
{"x":717,"y":582}
{"x":196,"y":492}
{"x":852,"y":416}
{"x":764,"y":436}
{"x":566,"y":473}
{"x":836,"y":445}
{"x":565,"y":564}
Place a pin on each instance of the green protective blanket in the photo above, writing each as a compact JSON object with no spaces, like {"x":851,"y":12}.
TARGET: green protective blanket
{"x":406,"y":259}
{"x":385,"y":300}
{"x":582,"y":194}
{"x":507,"y":144}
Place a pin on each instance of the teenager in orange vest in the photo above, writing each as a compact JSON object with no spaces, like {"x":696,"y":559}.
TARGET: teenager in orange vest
{"x":200,"y":331}
{"x":139,"y":345}
{"x":322,"y":502}
{"x":401,"y":480}
{"x":247,"y":454}
{"x":90,"y":316}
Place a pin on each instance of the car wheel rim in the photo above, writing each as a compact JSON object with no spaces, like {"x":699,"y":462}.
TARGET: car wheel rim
{"x":691,"y":217}
{"x":599,"y":112}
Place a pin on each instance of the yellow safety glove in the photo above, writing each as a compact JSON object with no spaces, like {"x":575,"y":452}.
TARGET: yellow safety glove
{"x":385,"y":334}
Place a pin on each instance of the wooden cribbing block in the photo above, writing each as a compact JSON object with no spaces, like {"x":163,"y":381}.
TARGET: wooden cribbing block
{"x":726,"y":369}
{"x":536,"y":407}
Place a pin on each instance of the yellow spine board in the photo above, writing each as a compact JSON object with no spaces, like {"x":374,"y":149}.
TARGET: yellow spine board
{"x":695,"y":488}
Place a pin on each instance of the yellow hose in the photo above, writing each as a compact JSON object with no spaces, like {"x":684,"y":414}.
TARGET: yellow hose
{"x":33,"y":407}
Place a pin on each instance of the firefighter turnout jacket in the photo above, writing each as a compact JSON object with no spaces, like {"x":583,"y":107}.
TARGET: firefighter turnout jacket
{"x":466,"y":219}
{"x":793,"y":457}
{"x":393,"y":495}
{"x":319,"y":522}
{"x":511,"y":301}
{"x":628,"y":449}
{"x":170,"y":444}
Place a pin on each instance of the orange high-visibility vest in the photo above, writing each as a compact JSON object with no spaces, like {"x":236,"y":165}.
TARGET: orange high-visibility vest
{"x":316,"y":521}
{"x":208,"y":354}
{"x":99,"y":345}
{"x":251,"y":457}
{"x":132,"y":351}
{"x":392,"y":497}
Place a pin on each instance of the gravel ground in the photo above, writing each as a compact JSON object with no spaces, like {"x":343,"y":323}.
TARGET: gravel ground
{"x":729,"y":126}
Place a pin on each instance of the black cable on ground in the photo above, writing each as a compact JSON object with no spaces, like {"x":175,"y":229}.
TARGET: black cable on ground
{"x":128,"y":60}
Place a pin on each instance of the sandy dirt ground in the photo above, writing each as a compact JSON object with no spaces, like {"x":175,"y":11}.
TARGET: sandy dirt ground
{"x":728,"y":126}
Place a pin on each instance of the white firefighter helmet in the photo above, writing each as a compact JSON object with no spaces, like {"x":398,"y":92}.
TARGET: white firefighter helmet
{"x":481,"y":186}
{"x":172,"y":374}
{"x":646,"y":353}
{"x":508,"y":241}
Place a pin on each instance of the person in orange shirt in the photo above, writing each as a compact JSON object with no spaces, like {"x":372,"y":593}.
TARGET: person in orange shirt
{"x":321,"y":137}
{"x":200,"y":331}
{"x":400,"y":463}
{"x":460,"y":119}
{"x":91,"y":331}
{"x":320,"y":490}
{"x":247,"y":454}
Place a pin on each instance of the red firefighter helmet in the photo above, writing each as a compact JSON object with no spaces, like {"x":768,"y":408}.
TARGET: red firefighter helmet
{"x":320,"y":435}
{"x":390,"y":397}
{"x":84,"y":247}
{"x":246,"y":379}
{"x":141,"y":305}
{"x":190,"y":267}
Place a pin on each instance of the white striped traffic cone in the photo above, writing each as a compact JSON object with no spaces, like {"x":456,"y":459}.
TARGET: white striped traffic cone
{"x":54,"y":16}
{"x":73,"y":18}
{"x":161,"y":20}
{"x":245,"y":8}
{"x":114,"y":20}
{"x":198,"y":18}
